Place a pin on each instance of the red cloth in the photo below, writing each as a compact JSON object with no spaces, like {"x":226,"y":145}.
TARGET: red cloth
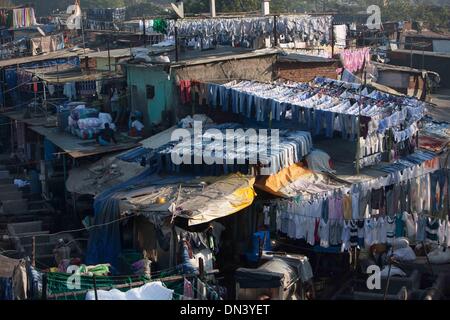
{"x":185,"y":91}
{"x":316,"y":231}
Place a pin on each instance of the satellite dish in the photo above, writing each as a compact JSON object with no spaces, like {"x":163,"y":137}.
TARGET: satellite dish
{"x":178,"y":8}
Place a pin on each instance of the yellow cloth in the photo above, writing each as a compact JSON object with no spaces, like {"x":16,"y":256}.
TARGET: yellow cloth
{"x":347,"y":200}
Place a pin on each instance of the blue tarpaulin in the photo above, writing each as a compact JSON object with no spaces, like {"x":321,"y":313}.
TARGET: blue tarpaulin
{"x":104,"y":245}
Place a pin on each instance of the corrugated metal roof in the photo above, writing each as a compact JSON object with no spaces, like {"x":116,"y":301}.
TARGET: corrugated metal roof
{"x":49,"y":56}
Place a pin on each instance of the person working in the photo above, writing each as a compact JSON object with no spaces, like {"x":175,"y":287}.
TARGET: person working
{"x":136,"y":127}
{"x":106,"y":136}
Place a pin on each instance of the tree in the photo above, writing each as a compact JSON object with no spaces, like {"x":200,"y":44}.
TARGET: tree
{"x":6,"y":4}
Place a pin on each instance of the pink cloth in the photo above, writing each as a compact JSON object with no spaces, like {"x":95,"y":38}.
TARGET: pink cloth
{"x":353,"y":59}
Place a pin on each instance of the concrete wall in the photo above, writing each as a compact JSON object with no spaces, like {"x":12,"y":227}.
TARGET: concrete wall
{"x":102,"y":64}
{"x":439,"y":64}
{"x":306,"y":71}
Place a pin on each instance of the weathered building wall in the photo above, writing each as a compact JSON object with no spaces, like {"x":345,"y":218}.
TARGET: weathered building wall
{"x":140,"y":80}
{"x":306,"y":71}
{"x":258,"y":68}
{"x":439,"y":63}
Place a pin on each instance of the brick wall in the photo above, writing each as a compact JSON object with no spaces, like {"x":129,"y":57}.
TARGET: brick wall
{"x":304,"y":72}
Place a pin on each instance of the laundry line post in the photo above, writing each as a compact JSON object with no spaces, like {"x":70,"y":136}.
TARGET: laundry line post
{"x":176,"y":41}
{"x":332,"y":39}
{"x":95,"y":286}
{"x":109,"y":53}
{"x":275,"y":31}
{"x":33,"y":252}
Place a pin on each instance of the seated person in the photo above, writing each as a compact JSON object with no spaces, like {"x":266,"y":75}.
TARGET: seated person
{"x":106,"y":136}
{"x":136,"y":127}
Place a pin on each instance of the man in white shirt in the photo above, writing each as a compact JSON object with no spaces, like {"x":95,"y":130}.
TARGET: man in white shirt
{"x":137,"y":127}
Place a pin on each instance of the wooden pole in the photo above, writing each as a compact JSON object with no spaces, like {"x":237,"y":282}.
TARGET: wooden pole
{"x":95,"y":288}
{"x":109,"y":53}
{"x":44,"y":286}
{"x":144,"y":33}
{"x":275,"y":32}
{"x":201,"y":268}
{"x":332,"y":40}
{"x":176,"y":43}
{"x":33,"y":252}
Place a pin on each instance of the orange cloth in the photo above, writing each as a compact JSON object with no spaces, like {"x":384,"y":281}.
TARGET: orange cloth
{"x":274,"y":183}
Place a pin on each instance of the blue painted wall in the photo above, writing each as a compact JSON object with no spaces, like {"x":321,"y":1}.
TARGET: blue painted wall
{"x":139,"y":77}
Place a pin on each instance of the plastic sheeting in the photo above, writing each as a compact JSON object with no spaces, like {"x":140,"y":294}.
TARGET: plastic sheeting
{"x":149,"y":291}
{"x":100,"y":176}
{"x":222,"y":198}
{"x":104,"y":243}
{"x":276,"y":182}
{"x":296,"y":180}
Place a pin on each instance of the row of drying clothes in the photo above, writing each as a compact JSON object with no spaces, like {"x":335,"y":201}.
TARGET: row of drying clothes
{"x":327,"y":218}
{"x":323,"y":108}
{"x":106,"y":14}
{"x":376,"y":148}
{"x":17,"y":18}
{"x":363,"y":233}
{"x":312,"y":29}
{"x":72,"y":90}
{"x":222,"y":152}
{"x":101,"y":25}
{"x":24,"y":283}
{"x":414,"y":183}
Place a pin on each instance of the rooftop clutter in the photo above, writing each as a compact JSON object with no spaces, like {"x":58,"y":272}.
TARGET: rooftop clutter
{"x":314,"y":30}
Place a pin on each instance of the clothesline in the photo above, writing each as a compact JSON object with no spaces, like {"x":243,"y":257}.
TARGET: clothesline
{"x":372,"y":216}
{"x":360,"y":185}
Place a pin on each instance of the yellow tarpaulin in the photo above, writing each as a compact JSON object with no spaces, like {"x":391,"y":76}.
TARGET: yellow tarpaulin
{"x":274,"y":183}
{"x":222,"y":198}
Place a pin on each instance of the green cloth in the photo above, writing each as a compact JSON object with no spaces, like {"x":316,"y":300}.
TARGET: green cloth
{"x":160,"y":25}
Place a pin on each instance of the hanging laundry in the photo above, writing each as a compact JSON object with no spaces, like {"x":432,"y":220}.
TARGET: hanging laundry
{"x":185,"y":91}
{"x":354,"y":59}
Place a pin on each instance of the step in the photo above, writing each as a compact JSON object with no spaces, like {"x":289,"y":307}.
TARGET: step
{"x":14,"y":206}
{"x":16,"y":195}
{"x":8,"y":188}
